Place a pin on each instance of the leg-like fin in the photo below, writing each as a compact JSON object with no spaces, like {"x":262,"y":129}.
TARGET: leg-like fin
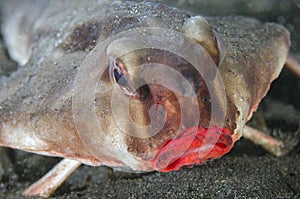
{"x":53,"y":179}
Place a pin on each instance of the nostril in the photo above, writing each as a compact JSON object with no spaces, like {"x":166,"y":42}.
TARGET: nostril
{"x":144,"y":92}
{"x":205,"y":99}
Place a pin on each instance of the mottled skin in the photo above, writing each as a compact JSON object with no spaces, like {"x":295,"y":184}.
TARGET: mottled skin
{"x":36,"y":100}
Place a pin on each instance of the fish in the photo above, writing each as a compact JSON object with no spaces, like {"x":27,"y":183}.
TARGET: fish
{"x":136,"y":86}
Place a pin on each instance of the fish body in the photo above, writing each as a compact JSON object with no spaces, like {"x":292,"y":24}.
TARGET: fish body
{"x":46,"y":105}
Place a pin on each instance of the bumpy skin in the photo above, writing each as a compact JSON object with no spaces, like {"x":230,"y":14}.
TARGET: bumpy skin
{"x":54,"y":39}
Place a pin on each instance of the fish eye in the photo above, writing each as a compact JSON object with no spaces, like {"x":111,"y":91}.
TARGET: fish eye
{"x":119,"y":75}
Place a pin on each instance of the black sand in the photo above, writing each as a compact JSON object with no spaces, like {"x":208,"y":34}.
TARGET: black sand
{"x":246,"y":172}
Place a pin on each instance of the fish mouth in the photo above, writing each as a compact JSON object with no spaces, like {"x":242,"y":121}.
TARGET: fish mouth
{"x":193,"y":146}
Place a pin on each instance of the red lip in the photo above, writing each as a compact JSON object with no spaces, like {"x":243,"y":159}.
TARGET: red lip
{"x":195,"y":145}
